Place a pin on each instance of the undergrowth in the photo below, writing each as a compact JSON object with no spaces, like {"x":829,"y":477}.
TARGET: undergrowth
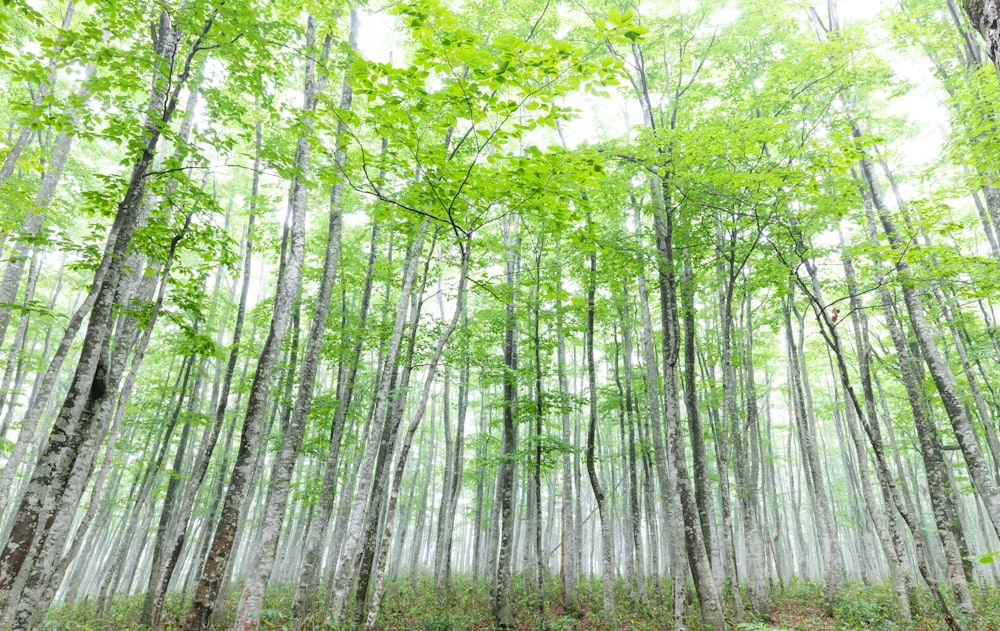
{"x":412,"y":605}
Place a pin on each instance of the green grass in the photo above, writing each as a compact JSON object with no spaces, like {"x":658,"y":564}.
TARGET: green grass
{"x":412,"y":605}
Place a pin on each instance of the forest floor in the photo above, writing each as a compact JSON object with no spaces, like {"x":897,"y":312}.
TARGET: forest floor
{"x":412,"y":606}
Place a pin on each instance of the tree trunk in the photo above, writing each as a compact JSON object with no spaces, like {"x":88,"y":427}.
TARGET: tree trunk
{"x":344,"y":574}
{"x":607,"y":542}
{"x":373,"y":609}
{"x":77,"y":417}
{"x":569,"y":543}
{"x":316,"y":534}
{"x":633,"y":465}
{"x":207,"y":591}
{"x":502,"y":611}
{"x":665,"y":480}
{"x":985,"y":16}
{"x":833,"y":563}
{"x":252,"y":598}
{"x":940,"y":371}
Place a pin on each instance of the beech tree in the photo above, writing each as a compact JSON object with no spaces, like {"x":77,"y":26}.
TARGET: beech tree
{"x":648,"y":314}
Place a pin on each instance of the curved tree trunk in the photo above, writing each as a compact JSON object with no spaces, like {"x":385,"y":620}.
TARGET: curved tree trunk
{"x":607,"y":541}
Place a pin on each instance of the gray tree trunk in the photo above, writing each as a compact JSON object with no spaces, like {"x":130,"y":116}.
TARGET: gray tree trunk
{"x":252,"y":598}
{"x":940,"y":371}
{"x":376,"y":601}
{"x":568,"y":539}
{"x":207,"y":591}
{"x":833,"y":562}
{"x":344,"y":574}
{"x":501,"y":563}
{"x":607,"y":541}
{"x":985,"y":16}
{"x":89,"y":387}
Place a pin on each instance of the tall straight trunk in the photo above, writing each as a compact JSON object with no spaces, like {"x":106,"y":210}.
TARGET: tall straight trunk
{"x":729,"y":424}
{"x":502,"y":611}
{"x":212,"y":574}
{"x":209,"y":440}
{"x":833,"y":563}
{"x":569,"y":542}
{"x":607,"y":541}
{"x":363,"y":563}
{"x":727,"y":273}
{"x":870,"y":424}
{"x":76,"y":417}
{"x":316,"y":534}
{"x":633,"y":465}
{"x":167,"y":513}
{"x":449,"y":458}
{"x":665,"y":480}
{"x":702,"y":492}
{"x":539,"y":417}
{"x":479,"y":560}
{"x":453,"y":480}
{"x":373,"y":608}
{"x":711,"y":604}
{"x":935,"y":468}
{"x":680,"y":491}
{"x":344,"y":574}
{"x":748,"y":478}
{"x":252,"y":598}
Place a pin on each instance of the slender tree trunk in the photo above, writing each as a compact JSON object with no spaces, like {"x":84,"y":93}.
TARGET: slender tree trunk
{"x":748,"y":476}
{"x":938,"y":486}
{"x":940,"y":371}
{"x":568,"y":538}
{"x":252,"y":598}
{"x":711,"y":604}
{"x":71,"y":428}
{"x":208,"y":442}
{"x":870,"y":425}
{"x":607,"y":542}
{"x":316,"y":535}
{"x":502,"y":611}
{"x":702,"y":492}
{"x":373,"y":608}
{"x":729,"y":423}
{"x":665,"y":480}
{"x":633,"y":465}
{"x":212,"y":574}
{"x":344,"y":574}
{"x":539,"y":417}
{"x":833,"y":564}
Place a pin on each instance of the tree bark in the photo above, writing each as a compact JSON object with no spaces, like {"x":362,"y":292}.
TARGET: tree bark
{"x":502,"y":611}
{"x":88,"y":388}
{"x":344,"y":574}
{"x":212,"y":574}
{"x":252,"y":598}
{"x":607,"y":541}
{"x":985,"y":16}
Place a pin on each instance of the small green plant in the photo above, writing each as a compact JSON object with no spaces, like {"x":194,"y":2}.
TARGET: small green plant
{"x":438,"y":622}
{"x":269,"y":618}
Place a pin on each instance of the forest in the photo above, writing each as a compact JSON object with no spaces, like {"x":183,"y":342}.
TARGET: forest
{"x":554,"y":314}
